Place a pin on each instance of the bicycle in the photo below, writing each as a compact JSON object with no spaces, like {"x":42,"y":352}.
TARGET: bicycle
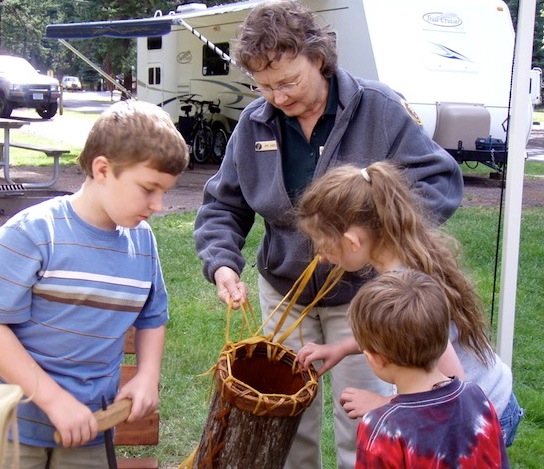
{"x":204,"y":137}
{"x":219,"y":135}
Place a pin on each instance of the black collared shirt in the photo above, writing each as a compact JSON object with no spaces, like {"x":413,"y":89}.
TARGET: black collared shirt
{"x":300,"y":155}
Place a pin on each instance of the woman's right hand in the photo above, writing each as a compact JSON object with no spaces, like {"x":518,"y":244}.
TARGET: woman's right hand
{"x":230,"y":287}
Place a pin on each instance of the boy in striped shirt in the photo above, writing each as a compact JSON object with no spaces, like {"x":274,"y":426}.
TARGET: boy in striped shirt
{"x":76,"y":272}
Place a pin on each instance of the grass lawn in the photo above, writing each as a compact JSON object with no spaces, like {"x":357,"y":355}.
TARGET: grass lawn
{"x":22,"y":157}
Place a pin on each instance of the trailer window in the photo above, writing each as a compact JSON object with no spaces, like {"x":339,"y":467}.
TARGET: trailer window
{"x":154,"y":75}
{"x":154,"y":43}
{"x":212,"y":63}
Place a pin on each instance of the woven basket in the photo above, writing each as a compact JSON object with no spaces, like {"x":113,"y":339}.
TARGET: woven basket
{"x":260,"y":391}
{"x":261,"y":377}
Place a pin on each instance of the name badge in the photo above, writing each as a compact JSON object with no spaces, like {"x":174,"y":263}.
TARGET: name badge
{"x":269,"y":145}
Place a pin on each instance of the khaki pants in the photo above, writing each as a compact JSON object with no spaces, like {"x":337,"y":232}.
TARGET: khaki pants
{"x":323,"y":325}
{"x":33,"y":457}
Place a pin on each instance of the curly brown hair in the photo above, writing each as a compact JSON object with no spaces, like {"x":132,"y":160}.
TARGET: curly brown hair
{"x":284,"y":27}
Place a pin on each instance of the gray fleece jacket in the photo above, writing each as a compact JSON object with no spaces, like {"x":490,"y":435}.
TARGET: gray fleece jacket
{"x":372,"y":124}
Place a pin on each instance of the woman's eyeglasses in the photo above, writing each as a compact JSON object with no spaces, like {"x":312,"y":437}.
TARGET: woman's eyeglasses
{"x":268,"y":91}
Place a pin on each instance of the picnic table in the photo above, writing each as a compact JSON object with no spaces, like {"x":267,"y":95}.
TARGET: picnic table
{"x":13,"y":124}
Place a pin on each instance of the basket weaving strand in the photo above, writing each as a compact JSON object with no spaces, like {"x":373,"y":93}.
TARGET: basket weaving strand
{"x":10,"y":396}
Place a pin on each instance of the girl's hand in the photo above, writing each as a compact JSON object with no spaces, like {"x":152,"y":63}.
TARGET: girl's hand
{"x":330,"y":354}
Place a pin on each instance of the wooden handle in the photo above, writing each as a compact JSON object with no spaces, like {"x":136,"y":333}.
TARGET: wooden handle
{"x":115,"y":414}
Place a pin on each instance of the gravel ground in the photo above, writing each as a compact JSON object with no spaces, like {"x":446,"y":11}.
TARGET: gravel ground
{"x":186,"y":195}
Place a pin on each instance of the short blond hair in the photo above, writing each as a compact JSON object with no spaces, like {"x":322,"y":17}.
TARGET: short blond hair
{"x":131,"y":132}
{"x":403,"y":316}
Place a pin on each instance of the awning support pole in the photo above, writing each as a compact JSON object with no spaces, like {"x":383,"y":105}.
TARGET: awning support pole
{"x":95,"y":67}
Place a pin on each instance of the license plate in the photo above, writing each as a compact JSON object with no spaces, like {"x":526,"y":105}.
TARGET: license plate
{"x":37,"y":96}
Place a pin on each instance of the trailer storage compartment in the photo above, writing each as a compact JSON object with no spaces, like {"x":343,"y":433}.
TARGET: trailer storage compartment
{"x":458,"y":125}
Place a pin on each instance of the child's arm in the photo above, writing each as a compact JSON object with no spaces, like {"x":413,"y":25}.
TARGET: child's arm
{"x":73,"y":420}
{"x":357,"y":402}
{"x":143,"y":389}
{"x":331,"y":354}
{"x":449,"y":363}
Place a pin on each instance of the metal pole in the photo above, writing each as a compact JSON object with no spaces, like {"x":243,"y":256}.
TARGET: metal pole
{"x":517,"y":136}
{"x":211,"y":45}
{"x":98,"y":69}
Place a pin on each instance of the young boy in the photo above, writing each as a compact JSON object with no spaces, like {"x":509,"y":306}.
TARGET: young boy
{"x":75,"y":273}
{"x":401,"y":322}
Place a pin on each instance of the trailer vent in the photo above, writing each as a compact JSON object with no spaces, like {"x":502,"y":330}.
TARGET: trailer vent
{"x":191,"y":8}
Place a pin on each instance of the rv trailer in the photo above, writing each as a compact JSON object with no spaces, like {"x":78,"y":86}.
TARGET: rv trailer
{"x":450,"y":59}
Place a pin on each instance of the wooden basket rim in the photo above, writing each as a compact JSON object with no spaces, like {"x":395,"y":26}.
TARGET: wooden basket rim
{"x":245,"y":397}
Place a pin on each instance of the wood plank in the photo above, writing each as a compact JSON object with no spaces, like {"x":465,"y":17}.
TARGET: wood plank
{"x":127,"y":373}
{"x":142,"y":432}
{"x":129,"y":341}
{"x":49,"y":151}
{"x":137,"y":463}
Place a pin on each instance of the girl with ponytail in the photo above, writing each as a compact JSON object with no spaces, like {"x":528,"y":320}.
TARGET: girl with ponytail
{"x":368,"y":220}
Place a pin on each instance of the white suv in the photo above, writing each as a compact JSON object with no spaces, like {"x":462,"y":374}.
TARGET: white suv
{"x":71,"y":83}
{"x":22,"y":86}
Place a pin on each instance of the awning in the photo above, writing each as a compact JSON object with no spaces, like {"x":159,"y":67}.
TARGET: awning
{"x":159,"y":25}
{"x":147,"y":27}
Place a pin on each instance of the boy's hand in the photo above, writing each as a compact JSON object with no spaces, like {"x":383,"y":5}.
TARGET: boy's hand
{"x":74,"y":421}
{"x":144,"y":396}
{"x":331,"y":354}
{"x":357,"y":402}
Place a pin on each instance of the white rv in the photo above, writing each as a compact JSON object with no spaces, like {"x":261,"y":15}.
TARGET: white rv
{"x":451,"y":59}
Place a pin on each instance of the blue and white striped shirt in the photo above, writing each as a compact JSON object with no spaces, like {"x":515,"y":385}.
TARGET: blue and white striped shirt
{"x":70,"y":291}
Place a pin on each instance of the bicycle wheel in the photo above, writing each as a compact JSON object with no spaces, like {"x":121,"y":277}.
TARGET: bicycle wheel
{"x":202,"y":144}
{"x":219,"y":144}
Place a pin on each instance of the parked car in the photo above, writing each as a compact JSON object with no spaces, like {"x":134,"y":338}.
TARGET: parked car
{"x":71,"y":83}
{"x":21,"y":86}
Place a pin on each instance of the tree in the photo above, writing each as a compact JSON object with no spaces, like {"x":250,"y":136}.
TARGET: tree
{"x":22,"y":30}
{"x":538,"y":50}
